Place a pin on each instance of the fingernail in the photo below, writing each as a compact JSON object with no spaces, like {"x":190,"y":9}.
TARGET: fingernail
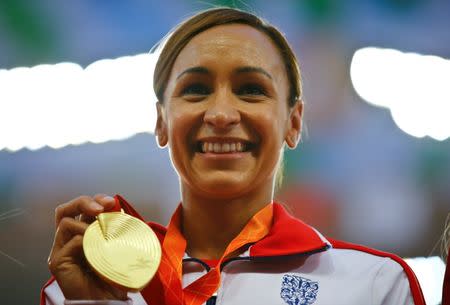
{"x":94,"y":205}
{"x":108,"y":198}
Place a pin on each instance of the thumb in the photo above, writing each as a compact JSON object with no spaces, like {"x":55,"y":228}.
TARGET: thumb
{"x":108,"y":202}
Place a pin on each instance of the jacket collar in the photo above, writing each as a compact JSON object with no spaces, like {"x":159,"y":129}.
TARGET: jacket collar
{"x":287,"y":236}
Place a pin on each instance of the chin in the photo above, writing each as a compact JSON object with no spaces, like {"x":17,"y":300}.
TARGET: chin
{"x":224,"y":188}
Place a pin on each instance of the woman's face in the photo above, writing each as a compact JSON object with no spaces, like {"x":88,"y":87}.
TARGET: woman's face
{"x":225,"y":115}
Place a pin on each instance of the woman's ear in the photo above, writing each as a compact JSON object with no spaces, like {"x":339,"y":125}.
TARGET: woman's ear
{"x":161,"y":126}
{"x":294,"y":129}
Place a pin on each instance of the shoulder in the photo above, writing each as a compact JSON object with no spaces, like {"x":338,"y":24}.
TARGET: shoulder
{"x":363,"y":254}
{"x":391,"y":274}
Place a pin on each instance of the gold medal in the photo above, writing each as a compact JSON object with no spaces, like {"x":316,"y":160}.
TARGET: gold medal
{"x":122,"y":250}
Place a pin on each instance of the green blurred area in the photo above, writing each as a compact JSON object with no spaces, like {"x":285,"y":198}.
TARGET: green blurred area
{"x":32,"y":30}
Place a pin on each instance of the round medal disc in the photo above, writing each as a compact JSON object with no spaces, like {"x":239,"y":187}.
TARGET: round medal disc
{"x":122,"y":250}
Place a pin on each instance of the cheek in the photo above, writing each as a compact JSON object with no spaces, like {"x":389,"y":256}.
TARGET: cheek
{"x":183,"y":123}
{"x":179,"y":122}
{"x":178,"y":131}
{"x":270,"y":125}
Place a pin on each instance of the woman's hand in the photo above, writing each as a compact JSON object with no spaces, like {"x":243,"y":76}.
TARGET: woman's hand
{"x":67,"y":262}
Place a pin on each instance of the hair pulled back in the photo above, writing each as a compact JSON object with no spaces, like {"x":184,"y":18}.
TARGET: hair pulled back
{"x":207,"y":19}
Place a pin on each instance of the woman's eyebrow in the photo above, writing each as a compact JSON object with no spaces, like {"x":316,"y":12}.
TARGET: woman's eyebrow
{"x":195,"y":70}
{"x":245,"y":69}
{"x":250,"y":69}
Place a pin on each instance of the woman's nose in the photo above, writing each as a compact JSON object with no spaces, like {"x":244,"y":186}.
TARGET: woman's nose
{"x":222,"y":112}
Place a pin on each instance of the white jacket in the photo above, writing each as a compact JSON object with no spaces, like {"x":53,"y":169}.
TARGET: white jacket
{"x":293,"y":265}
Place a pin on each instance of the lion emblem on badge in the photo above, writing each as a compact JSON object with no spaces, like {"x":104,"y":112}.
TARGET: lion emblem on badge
{"x":296,"y":290}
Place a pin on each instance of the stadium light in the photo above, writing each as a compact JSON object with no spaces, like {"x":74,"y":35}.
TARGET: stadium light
{"x":413,"y":87}
{"x":61,"y":104}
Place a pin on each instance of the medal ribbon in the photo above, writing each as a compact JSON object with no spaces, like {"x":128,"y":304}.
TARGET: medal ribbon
{"x":174,"y":246}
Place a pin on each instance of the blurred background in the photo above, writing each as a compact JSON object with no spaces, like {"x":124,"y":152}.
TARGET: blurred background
{"x":77,"y":114}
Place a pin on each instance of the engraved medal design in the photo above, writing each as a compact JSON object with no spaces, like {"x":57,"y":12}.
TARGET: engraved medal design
{"x":122,"y":250}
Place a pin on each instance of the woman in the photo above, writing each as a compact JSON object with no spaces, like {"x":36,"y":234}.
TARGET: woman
{"x":229,"y":93}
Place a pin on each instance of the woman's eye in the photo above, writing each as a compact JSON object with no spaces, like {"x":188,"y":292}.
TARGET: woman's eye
{"x":196,"y":89}
{"x":251,"y":89}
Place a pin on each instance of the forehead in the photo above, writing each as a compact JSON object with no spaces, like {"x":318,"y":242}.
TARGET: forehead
{"x":233,"y":44}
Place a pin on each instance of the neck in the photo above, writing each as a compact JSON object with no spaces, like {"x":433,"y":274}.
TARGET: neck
{"x":210,"y":224}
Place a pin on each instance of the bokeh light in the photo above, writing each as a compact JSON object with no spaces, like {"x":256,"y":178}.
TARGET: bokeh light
{"x":61,"y":104}
{"x":412,"y":86}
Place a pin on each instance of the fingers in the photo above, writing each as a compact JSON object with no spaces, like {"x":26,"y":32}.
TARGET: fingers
{"x":67,"y":229}
{"x":77,"y":206}
{"x":84,"y":205}
{"x":68,"y":242}
{"x":71,"y":251}
{"x":73,"y":248}
{"x":106,"y":201}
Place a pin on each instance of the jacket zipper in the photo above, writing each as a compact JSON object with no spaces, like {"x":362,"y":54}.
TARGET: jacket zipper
{"x":250,"y":258}
{"x":212,"y":300}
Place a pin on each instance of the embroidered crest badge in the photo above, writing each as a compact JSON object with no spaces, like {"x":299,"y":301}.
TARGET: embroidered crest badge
{"x":296,"y":290}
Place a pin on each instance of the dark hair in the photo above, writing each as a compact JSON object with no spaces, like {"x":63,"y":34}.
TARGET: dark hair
{"x":184,"y":32}
{"x":180,"y":36}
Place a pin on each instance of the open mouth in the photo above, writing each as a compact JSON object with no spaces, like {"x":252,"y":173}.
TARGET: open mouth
{"x":224,"y":147}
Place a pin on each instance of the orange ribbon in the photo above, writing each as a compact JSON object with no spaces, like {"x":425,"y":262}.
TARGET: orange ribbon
{"x":174,"y":246}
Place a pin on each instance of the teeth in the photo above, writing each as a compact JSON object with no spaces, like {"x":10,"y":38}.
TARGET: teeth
{"x":217,"y":148}
{"x":222,"y":147}
{"x":226,"y":147}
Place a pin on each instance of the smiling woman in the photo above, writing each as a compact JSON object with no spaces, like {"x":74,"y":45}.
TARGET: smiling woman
{"x":229,"y":93}
{"x":223,"y":94}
